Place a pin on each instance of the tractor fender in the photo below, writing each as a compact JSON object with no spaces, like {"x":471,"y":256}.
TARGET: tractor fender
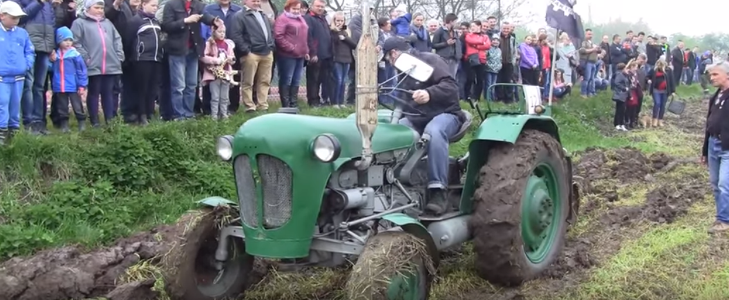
{"x":414,"y":227}
{"x":216,"y":201}
{"x":506,"y":128}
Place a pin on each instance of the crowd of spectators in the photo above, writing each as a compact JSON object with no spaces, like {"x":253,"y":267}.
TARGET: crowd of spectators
{"x":188,"y":58}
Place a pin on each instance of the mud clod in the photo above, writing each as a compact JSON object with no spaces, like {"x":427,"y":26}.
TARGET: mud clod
{"x":71,"y":273}
{"x":670,"y":201}
{"x":576,"y":256}
{"x":626,"y":165}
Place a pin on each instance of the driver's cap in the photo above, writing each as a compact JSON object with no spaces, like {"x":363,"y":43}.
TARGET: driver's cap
{"x":395,"y":43}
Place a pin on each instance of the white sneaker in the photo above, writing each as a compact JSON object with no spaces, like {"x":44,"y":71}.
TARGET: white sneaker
{"x":622,"y":127}
{"x":618,"y":128}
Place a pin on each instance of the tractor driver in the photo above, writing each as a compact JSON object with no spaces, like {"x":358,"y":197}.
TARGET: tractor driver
{"x":434,"y":111}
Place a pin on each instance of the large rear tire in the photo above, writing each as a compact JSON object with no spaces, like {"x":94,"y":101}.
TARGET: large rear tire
{"x":393,"y":266}
{"x":521,"y":206}
{"x":189,"y":266}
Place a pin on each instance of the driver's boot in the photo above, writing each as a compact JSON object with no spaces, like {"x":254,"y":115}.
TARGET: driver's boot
{"x":437,"y":202}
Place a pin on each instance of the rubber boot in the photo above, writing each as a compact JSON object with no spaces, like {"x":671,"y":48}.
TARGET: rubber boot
{"x":294,"y":95}
{"x":81,"y":125}
{"x":284,"y":92}
{"x":63,"y":125}
{"x":94,"y":120}
{"x":143,"y":121}
{"x":43,"y":128}
{"x":3,"y":136}
{"x":437,"y":202}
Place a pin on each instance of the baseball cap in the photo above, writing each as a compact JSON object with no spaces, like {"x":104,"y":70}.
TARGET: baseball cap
{"x":395,"y":43}
{"x":11,"y":8}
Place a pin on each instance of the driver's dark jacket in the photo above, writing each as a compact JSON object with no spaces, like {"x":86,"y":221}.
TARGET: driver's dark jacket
{"x":442,"y":88}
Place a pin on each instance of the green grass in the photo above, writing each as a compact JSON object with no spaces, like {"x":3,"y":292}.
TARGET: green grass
{"x":103,"y":184}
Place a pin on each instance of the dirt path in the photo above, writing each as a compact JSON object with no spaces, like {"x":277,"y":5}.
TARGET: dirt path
{"x":614,"y":210}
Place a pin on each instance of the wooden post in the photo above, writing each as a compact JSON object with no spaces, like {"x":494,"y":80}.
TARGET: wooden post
{"x":366,"y":90}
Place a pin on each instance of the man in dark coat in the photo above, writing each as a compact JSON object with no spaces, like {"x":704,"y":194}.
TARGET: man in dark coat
{"x":678,"y":61}
{"x":434,"y":112}
{"x":185,"y":45}
{"x":715,"y":152}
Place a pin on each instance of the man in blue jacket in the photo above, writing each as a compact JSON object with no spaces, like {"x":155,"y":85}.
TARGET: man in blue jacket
{"x":40,"y":21}
{"x":17,"y":58}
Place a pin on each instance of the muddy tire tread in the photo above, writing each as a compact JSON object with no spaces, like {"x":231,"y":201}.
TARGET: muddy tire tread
{"x":496,"y":222}
{"x":179,"y":263}
{"x":372,"y":291}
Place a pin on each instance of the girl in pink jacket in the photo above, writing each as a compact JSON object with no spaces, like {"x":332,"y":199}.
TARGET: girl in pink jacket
{"x":218,"y":53}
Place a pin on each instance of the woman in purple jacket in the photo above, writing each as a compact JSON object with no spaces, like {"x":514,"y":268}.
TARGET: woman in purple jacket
{"x":529,"y":64}
{"x":291,"y":33}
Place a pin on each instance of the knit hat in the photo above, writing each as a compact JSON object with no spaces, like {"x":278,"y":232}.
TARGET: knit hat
{"x":63,"y":34}
{"x":89,"y":3}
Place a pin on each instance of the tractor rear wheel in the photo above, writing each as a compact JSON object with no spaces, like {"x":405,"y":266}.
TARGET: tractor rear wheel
{"x":521,"y":206}
{"x":190,"y":267}
{"x":393,"y":266}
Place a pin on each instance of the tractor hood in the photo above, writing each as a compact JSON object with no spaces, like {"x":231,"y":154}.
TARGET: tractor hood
{"x":289,"y":136}
{"x":280,"y":183}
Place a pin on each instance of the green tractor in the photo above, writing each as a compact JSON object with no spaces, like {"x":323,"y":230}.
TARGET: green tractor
{"x":317,"y":191}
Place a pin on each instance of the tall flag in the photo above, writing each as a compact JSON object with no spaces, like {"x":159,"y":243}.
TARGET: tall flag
{"x":561,"y":16}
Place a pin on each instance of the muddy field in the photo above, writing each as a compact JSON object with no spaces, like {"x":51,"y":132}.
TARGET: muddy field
{"x":613,"y":211}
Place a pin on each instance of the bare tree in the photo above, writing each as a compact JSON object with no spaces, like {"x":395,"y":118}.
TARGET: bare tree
{"x":473,"y":9}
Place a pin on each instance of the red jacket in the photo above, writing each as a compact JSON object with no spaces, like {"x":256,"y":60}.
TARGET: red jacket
{"x":477,"y":43}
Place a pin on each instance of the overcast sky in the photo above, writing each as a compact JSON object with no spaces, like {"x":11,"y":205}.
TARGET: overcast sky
{"x":660,"y":15}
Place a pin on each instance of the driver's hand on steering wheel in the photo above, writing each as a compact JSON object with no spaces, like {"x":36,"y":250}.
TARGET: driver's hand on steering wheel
{"x":421,"y":96}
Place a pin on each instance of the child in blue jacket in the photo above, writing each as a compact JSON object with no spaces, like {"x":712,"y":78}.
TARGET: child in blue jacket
{"x":18,"y":56}
{"x":69,"y":80}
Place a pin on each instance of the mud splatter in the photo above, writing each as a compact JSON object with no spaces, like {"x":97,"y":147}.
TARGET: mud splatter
{"x":71,"y":273}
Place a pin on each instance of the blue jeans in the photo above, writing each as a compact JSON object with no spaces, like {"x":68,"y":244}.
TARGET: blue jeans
{"x":491,"y":78}
{"x":718,"y":162}
{"x":183,"y":81}
{"x":647,"y":68}
{"x":34,"y":96}
{"x":547,"y":82}
{"x":601,"y":84}
{"x":608,"y":72}
{"x":440,"y":129}
{"x":289,"y":70}
{"x":659,"y":105}
{"x":559,"y":92}
{"x":340,"y":78}
{"x":461,"y":80}
{"x":588,"y":80}
{"x":10,"y":95}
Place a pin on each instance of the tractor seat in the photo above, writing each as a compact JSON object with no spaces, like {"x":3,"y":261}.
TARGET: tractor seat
{"x":464,"y":127}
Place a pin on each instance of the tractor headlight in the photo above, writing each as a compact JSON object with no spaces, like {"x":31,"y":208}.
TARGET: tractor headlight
{"x":224,"y":147}
{"x":326,"y":148}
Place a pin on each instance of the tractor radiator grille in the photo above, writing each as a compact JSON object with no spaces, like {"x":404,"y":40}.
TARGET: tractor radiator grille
{"x":245,"y":183}
{"x":276,"y":183}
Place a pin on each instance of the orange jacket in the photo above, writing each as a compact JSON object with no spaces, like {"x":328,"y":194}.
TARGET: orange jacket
{"x":477,"y":43}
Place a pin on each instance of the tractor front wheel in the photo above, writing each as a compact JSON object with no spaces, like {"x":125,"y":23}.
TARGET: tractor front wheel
{"x":521,"y":206}
{"x":394,"y":265}
{"x":191,"y":271}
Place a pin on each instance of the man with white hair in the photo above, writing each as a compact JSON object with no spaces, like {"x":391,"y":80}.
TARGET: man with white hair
{"x":715,"y":152}
{"x":433,"y":25}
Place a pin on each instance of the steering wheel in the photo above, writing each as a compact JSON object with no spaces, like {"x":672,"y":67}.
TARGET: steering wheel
{"x":386,"y":90}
